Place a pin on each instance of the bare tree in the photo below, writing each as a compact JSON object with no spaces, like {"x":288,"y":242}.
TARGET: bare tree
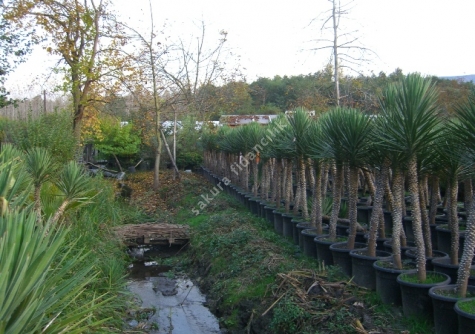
{"x":175,"y":74}
{"x":193,"y":68}
{"x":347,"y":51}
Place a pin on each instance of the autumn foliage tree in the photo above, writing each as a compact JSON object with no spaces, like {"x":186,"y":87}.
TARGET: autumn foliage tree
{"x":74,"y":31}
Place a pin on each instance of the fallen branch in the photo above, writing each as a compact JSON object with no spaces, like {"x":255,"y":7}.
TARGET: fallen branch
{"x":273,"y":304}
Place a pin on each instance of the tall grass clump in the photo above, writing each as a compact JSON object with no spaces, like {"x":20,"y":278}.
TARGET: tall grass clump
{"x":51,"y":131}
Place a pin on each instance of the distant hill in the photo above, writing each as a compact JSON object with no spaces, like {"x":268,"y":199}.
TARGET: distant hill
{"x":465,"y":78}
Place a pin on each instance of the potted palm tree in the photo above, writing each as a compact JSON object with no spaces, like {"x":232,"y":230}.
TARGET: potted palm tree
{"x":296,"y":144}
{"x":409,"y":120}
{"x":465,"y":132}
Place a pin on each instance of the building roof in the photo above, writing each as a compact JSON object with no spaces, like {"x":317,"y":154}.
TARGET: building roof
{"x":236,"y":120}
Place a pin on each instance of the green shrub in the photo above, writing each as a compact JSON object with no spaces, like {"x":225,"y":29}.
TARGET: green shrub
{"x":189,"y":160}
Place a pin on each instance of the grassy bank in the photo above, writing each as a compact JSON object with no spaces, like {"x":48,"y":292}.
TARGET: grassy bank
{"x":257,"y":281}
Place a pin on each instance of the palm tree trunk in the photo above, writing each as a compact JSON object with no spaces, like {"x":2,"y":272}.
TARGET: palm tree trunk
{"x":313,"y":211}
{"x":338,"y":176}
{"x":467,"y":256}
{"x":288,"y":184}
{"x":467,"y":193}
{"x":325,"y":172}
{"x":277,"y":180}
{"x":317,"y":195}
{"x":434,"y":199}
{"x":297,"y":197}
{"x":413,"y":181}
{"x":452,"y":191}
{"x":255,"y":177}
{"x":381,"y":177}
{"x":389,"y":195}
{"x":352,"y":202}
{"x":59,"y":213}
{"x":370,"y":183}
{"x":398,"y":184}
{"x":425,"y":220}
{"x":303,"y":188}
{"x":268,"y":169}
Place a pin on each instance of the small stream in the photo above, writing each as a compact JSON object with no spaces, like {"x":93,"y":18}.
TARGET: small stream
{"x":177,"y":301}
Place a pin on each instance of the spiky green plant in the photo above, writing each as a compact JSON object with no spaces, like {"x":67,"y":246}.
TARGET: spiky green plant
{"x":40,"y":166}
{"x":347,"y":133}
{"x":296,"y":144}
{"x":465,"y":131}
{"x":409,"y":121}
{"x":74,"y":184}
{"x":32,"y":295}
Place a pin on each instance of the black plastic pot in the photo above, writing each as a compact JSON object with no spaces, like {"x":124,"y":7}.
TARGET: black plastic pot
{"x":388,"y":222}
{"x":269,"y":214}
{"x":300,"y":227}
{"x":363,"y":272}
{"x":388,"y":247}
{"x":278,"y":222}
{"x":307,"y":237}
{"x":444,"y":239}
{"x":445,"y":317}
{"x":411,"y":254}
{"x":341,"y":256}
{"x":443,"y":265}
{"x":379,"y":243}
{"x":387,"y":286}
{"x":324,"y":254}
{"x":262,"y":210}
{"x":363,"y":214}
{"x":415,"y":296}
{"x":407,"y":225}
{"x":247,"y":200}
{"x":254,"y":205}
{"x":466,"y":320}
{"x":295,"y":231}
{"x":287,"y":225}
{"x":342,"y":225}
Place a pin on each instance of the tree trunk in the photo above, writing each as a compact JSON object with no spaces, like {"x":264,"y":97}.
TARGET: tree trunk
{"x":452,"y":191}
{"x":278,"y":180}
{"x":434,"y":199}
{"x":338,"y":175}
{"x":425,"y":220}
{"x":467,"y":256}
{"x":467,"y":193}
{"x":398,"y":184}
{"x":377,"y":213}
{"x":303,"y":188}
{"x":288,"y":184}
{"x":413,"y":181}
{"x":352,"y":202}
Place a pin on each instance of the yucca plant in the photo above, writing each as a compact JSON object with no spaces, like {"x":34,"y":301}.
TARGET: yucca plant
{"x":453,"y":166}
{"x":464,"y":127}
{"x":41,"y":168}
{"x":75,"y":187}
{"x":40,"y":275}
{"x":347,"y":133}
{"x":409,"y":118}
{"x":296,"y":144}
{"x":316,"y":152}
{"x":32,"y":295}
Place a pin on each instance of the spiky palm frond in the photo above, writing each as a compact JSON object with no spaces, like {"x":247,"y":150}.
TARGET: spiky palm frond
{"x":347,"y":133}
{"x":32,"y":296}
{"x":75,"y":186}
{"x":409,"y":115}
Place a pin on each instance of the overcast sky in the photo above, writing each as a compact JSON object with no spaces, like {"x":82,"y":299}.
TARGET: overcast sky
{"x":433,"y":37}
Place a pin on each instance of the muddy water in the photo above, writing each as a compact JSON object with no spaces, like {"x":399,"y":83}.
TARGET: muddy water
{"x":177,"y":301}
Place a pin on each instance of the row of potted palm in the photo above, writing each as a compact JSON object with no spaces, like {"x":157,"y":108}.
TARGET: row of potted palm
{"x":408,"y":142}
